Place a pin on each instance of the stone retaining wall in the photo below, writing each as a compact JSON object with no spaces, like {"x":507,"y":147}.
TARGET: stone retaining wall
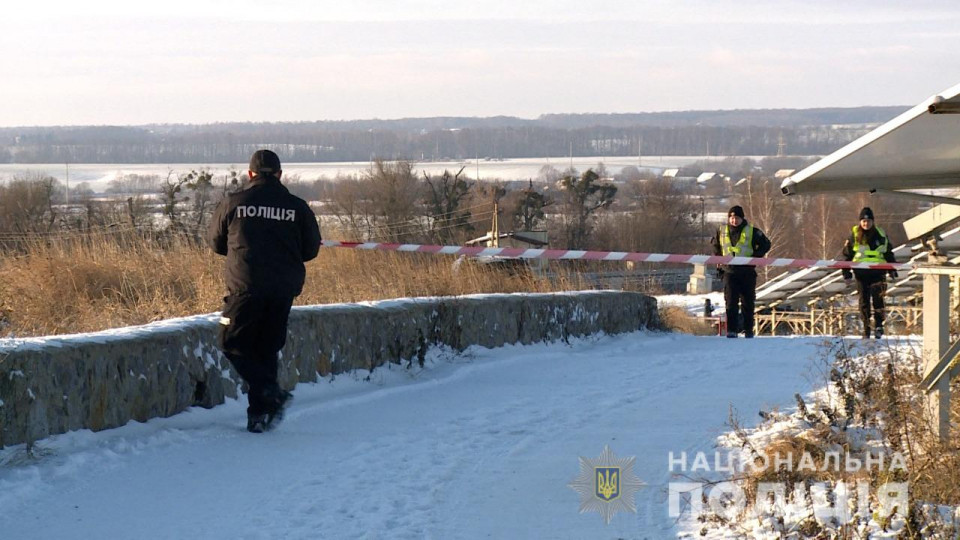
{"x":104,"y":380}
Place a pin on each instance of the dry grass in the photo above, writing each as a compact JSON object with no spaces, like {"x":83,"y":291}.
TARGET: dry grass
{"x":678,"y":319}
{"x":92,"y":283}
{"x":879,"y":391}
{"x":885,"y":386}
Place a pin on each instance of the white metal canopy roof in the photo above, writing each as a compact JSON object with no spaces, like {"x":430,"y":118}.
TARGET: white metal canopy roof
{"x":918,"y":149}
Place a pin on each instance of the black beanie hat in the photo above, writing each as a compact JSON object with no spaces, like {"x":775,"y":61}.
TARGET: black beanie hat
{"x":265,"y":162}
{"x":866,"y":213}
{"x":736,"y":211}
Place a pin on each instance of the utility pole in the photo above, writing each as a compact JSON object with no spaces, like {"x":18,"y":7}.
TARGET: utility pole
{"x":67,"y":165}
{"x":703,"y":228}
{"x":495,"y":233}
{"x":639,"y":152}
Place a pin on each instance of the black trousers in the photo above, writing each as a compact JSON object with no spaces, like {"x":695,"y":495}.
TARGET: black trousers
{"x":871,"y":289}
{"x":740,"y":294}
{"x":253,"y":329}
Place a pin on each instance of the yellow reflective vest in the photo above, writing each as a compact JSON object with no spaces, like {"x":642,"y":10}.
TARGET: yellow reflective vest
{"x":863,"y":253}
{"x":743,"y":248}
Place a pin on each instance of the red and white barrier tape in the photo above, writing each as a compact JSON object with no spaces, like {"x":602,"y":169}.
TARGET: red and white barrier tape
{"x":571,"y":254}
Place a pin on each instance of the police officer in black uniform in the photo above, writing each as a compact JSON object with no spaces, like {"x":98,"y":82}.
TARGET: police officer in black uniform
{"x":740,"y":239}
{"x":266,"y":234}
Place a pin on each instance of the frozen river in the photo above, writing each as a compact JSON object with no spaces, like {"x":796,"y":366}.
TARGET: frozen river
{"x":98,"y":176}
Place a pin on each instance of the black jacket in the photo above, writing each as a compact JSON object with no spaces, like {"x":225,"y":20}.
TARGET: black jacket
{"x":761,"y":245}
{"x":267,"y":234}
{"x":874,"y":240}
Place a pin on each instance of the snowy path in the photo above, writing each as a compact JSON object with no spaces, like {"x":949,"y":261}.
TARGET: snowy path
{"x":474,"y":446}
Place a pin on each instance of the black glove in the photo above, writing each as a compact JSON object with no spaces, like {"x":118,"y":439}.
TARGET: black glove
{"x":719,"y":273}
{"x":894,"y":274}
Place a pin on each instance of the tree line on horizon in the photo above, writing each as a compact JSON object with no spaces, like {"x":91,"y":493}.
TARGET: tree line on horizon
{"x":709,"y":133}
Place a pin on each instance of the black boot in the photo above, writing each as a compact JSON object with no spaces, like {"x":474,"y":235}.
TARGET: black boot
{"x":275,"y":402}
{"x":278,"y":401}
{"x":256,"y":423}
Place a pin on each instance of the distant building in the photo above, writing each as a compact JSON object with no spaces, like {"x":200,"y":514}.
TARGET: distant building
{"x":718,"y":218}
{"x":671,"y":173}
{"x":707,"y":177}
{"x":783,"y":173}
{"x":514,"y":239}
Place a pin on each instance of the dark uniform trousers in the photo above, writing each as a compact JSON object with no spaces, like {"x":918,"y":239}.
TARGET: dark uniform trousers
{"x":740,"y":291}
{"x":871,"y":287}
{"x":255,"y":333}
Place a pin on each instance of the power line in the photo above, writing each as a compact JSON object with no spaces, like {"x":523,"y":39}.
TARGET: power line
{"x":388,"y":234}
{"x":451,"y":226}
{"x":408,"y":226}
{"x":434,"y":216}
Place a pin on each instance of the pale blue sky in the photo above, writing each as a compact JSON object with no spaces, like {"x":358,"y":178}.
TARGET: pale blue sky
{"x":106,"y":62}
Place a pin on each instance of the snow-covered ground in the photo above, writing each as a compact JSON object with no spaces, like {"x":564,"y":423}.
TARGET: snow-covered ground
{"x":694,"y":303}
{"x":476,"y":445}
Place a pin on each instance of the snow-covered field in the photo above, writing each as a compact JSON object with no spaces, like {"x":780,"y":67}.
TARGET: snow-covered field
{"x":476,"y":445}
{"x":98,"y":176}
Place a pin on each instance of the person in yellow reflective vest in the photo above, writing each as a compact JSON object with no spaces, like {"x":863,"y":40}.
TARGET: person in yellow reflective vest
{"x":869,"y":243}
{"x":740,"y":239}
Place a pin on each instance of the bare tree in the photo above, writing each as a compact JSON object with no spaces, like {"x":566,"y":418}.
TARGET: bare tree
{"x":170,"y":193}
{"x":660,"y":217}
{"x":601,"y":170}
{"x":549,"y":174}
{"x":27,"y":203}
{"x":200,"y":184}
{"x":528,"y":210}
{"x":631,"y":173}
{"x":134,"y":183}
{"x":582,"y":198}
{"x":768,"y":209}
{"x":351,"y":208}
{"x":138,"y":211}
{"x":188,"y":201}
{"x":393,"y":192}
{"x":824,"y":225}
{"x":445,"y":195}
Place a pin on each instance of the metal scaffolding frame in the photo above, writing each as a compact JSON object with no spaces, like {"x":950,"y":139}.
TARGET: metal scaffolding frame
{"x":918,"y":149}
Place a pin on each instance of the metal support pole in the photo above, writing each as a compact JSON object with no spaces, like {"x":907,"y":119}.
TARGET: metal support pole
{"x":703,"y":228}
{"x":936,"y":340}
